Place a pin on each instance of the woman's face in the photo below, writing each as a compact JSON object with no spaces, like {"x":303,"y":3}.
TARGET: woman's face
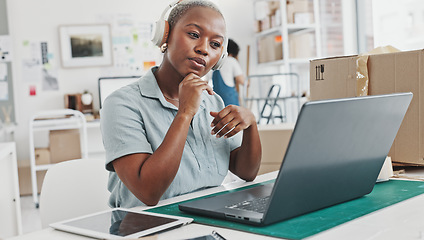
{"x":195,"y":42}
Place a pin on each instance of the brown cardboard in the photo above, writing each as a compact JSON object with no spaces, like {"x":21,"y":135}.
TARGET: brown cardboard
{"x":64,"y":145}
{"x":274,"y":141}
{"x":387,"y":73}
{"x":268,"y":167}
{"x":302,"y":45}
{"x":270,"y":48}
{"x":42,"y":156}
{"x":296,"y":6}
{"x":273,"y":7}
{"x":25,"y":187}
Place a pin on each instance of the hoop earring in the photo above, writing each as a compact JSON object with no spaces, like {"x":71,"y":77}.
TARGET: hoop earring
{"x":164,"y":47}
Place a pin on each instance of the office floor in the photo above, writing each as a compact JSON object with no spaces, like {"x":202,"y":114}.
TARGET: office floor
{"x":30,"y":215}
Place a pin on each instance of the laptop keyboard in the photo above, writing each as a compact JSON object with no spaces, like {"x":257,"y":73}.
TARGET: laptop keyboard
{"x":254,"y":205}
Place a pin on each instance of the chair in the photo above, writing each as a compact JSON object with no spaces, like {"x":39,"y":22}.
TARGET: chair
{"x":73,"y":188}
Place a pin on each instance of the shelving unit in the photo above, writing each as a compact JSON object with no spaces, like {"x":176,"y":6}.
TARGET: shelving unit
{"x":287,"y":36}
{"x":284,"y":32}
{"x":54,"y":120}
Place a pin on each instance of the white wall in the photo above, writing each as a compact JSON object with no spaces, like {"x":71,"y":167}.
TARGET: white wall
{"x":38,"y":20}
{"x":399,"y":23}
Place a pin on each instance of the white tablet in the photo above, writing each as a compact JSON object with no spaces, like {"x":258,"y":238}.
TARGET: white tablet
{"x":120,"y":223}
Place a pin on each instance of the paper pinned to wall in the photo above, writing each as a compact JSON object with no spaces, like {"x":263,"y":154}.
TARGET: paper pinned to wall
{"x":5,"y":48}
{"x":132,"y":47}
{"x":38,"y":66}
{"x":32,"y":68}
{"x":50,"y":82}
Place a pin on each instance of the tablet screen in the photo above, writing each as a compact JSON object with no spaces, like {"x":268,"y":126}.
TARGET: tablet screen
{"x":119,"y":222}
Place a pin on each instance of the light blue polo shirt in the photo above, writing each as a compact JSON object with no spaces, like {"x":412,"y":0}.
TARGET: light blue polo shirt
{"x":136,"y":118}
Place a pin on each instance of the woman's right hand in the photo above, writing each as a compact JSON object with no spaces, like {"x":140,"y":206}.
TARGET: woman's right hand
{"x":190,"y":91}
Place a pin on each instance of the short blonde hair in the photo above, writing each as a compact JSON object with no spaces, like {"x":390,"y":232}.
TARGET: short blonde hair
{"x":181,"y":8}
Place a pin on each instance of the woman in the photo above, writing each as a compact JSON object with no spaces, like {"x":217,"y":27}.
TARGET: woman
{"x":227,"y":80}
{"x":169,"y":134}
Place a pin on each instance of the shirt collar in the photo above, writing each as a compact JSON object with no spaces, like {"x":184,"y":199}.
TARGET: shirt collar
{"x":149,"y":88}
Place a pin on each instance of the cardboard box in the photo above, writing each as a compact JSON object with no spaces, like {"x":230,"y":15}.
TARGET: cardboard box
{"x":302,"y":45}
{"x":274,"y":140}
{"x":268,"y":167}
{"x":270,"y":48}
{"x":25,"y":186}
{"x":387,"y":73}
{"x":296,"y":6}
{"x":303,"y":18}
{"x":42,"y":156}
{"x":64,"y":145}
{"x":273,"y":6}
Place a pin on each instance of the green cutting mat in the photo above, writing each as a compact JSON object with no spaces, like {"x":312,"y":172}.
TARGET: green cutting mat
{"x":383,"y":195}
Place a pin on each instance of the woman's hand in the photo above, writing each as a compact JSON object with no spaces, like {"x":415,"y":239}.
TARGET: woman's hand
{"x":231,"y":120}
{"x":245,"y":160}
{"x":190,"y":90}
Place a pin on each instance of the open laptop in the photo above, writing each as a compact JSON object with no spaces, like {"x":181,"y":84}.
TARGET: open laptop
{"x":334,"y":155}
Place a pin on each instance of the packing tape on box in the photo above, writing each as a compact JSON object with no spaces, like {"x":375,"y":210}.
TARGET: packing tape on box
{"x":362,"y":79}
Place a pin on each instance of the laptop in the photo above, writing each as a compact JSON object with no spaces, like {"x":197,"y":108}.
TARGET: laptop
{"x":334,"y":155}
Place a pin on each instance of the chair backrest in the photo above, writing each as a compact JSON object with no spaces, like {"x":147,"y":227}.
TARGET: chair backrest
{"x":73,"y":188}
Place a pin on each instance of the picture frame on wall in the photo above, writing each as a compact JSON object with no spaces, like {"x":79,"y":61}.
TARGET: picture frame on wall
{"x":85,"y":45}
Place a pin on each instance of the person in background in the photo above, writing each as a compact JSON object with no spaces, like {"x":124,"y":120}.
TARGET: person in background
{"x":227,"y":80}
{"x":168,"y":133}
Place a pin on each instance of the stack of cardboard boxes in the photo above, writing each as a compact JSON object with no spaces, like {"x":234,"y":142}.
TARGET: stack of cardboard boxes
{"x":298,"y":12}
{"x":268,"y":15}
{"x":386,"y":73}
{"x":63,"y":145}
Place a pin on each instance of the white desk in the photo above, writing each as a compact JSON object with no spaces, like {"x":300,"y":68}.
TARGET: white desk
{"x":404,"y":220}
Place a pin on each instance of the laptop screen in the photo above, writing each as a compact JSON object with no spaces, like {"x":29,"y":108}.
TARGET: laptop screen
{"x":108,"y":85}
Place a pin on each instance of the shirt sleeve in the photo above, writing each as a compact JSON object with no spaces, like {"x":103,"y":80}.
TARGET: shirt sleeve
{"x":236,"y":68}
{"x":122,"y":127}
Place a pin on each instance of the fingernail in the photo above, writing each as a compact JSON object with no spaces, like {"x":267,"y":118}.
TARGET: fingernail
{"x":213,"y":132}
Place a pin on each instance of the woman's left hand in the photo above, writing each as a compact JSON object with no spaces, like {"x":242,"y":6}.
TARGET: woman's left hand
{"x":231,"y":120}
